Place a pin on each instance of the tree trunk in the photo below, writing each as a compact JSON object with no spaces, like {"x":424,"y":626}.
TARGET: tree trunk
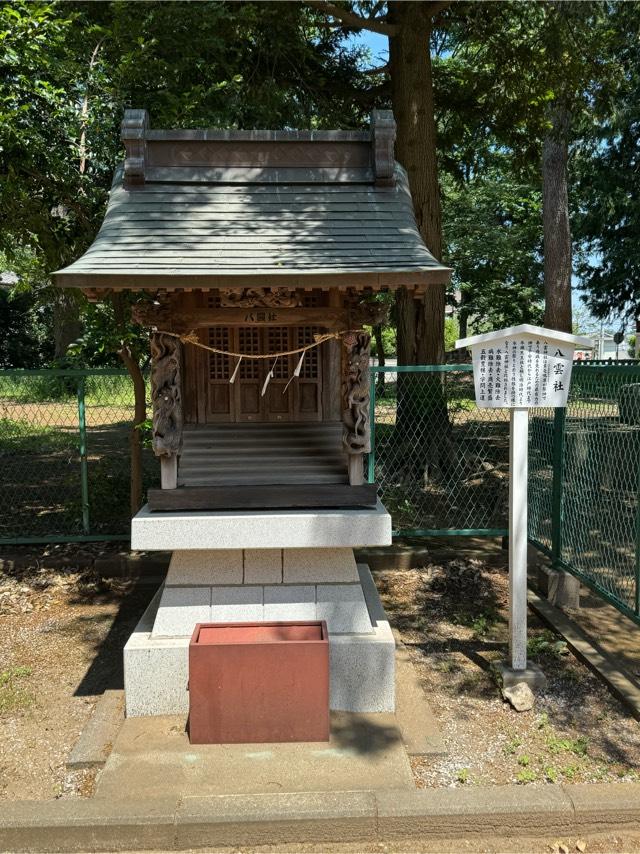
{"x":422,"y":422}
{"x":421,"y":322}
{"x":135,"y":434}
{"x":67,"y":326}
{"x":557,"y":229}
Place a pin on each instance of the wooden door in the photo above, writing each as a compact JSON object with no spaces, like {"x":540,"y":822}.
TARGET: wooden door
{"x":243,"y":400}
{"x":307,"y":389}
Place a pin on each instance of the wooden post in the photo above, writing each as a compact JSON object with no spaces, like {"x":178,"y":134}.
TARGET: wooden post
{"x":356,"y":435}
{"x":518,"y":468}
{"x":166,"y":397}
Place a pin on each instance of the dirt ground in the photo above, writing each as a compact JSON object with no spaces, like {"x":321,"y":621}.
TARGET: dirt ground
{"x":62,"y":632}
{"x":61,"y":636}
{"x":452,"y":616}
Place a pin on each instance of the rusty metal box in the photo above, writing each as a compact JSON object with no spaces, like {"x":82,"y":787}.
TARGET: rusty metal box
{"x":259,"y":682}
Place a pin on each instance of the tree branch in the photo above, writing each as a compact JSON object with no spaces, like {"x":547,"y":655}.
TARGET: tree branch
{"x":349,"y":19}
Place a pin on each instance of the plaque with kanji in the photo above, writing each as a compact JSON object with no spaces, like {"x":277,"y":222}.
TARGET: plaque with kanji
{"x":522,"y":367}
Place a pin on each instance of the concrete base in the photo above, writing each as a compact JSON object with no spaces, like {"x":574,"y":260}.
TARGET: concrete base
{"x":561,"y":588}
{"x":532,"y":676}
{"x":260,"y":529}
{"x":362,"y":662}
{"x":153,"y":758}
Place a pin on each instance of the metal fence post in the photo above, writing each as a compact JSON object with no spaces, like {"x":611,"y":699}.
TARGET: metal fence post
{"x":371,"y":461}
{"x":559,"y":425}
{"x":636,"y":600}
{"x":84,"y":468}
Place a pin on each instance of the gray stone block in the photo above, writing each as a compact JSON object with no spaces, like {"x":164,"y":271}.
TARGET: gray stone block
{"x":561,"y":588}
{"x":362,"y":671}
{"x":236,"y":604}
{"x":290,"y":602}
{"x":260,"y":529}
{"x":262,"y":566}
{"x":205,"y":567}
{"x":310,"y":566}
{"x":180,"y":609}
{"x":344,"y":608}
{"x":156,"y":673}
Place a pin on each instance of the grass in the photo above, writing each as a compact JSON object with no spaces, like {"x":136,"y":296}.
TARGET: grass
{"x":14,"y":697}
{"x":577,"y":746}
{"x":24,"y":437}
{"x":463,"y":775}
{"x":546,"y":644}
{"x":100,"y":389}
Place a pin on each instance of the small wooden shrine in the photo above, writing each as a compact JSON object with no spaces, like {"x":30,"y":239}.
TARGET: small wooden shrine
{"x":258,"y":255}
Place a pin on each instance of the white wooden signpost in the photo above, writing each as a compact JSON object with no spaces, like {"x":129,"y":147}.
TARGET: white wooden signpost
{"x":519,"y":368}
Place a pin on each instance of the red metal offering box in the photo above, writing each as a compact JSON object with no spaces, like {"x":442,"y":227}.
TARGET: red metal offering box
{"x":259,"y":682}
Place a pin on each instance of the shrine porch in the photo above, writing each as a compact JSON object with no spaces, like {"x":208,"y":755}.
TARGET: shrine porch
{"x":262,"y":465}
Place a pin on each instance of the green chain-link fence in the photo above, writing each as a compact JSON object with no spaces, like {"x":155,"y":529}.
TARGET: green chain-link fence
{"x":442,"y":464}
{"x":64,"y":455}
{"x":584,"y":482}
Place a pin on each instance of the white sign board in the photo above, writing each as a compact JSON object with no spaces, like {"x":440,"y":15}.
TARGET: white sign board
{"x":521,"y":372}
{"x":522,"y":367}
{"x":516,"y":369}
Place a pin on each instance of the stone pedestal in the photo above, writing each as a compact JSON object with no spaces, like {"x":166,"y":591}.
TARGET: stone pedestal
{"x":283,"y":580}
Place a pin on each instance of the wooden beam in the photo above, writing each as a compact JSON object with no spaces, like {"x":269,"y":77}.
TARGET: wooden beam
{"x":327,"y":318}
{"x":262,"y":497}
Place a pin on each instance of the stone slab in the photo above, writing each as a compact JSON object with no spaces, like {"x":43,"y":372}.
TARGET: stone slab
{"x":344,"y":608}
{"x":420,"y":731}
{"x":531,"y":676}
{"x":96,"y":739}
{"x":205,"y":567}
{"x":262,"y":566}
{"x":587,"y":648}
{"x":290,"y":602}
{"x":237,"y":604}
{"x":180,"y":609}
{"x":491,"y":815}
{"x":247,"y":821}
{"x":308,"y":566}
{"x":257,"y":529}
{"x":126,"y":823}
{"x":153,"y":758}
{"x":156,"y":674}
{"x":505,"y":810}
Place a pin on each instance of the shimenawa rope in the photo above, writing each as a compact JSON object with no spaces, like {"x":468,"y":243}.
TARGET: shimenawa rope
{"x":192,"y":338}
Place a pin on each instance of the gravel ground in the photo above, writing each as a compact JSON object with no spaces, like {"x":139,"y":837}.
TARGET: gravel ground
{"x":62,"y":632}
{"x":61,"y":635}
{"x":453,"y":619}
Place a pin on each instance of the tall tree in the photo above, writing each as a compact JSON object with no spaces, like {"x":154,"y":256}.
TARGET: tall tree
{"x":408,"y":26}
{"x":607,"y":170}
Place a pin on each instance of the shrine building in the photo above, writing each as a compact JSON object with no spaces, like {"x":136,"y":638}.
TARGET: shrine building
{"x":258,"y":257}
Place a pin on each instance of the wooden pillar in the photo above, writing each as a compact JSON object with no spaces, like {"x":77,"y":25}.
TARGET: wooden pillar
{"x":356,"y":435}
{"x":166,"y":398}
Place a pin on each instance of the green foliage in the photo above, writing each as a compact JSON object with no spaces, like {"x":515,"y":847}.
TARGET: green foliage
{"x":577,"y":746}
{"x":14,"y":696}
{"x":546,"y":644}
{"x":607,"y":208}
{"x":493,"y":232}
{"x":527,"y":775}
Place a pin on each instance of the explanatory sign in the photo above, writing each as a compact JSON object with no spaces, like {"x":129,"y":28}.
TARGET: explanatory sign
{"x":521,"y":372}
{"x":522,"y":367}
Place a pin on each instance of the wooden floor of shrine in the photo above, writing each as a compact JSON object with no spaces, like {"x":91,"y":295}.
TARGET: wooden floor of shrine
{"x":248,"y":453}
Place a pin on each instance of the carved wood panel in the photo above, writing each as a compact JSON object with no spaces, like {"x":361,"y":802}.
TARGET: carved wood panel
{"x":355,"y":394}
{"x":166,"y":394}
